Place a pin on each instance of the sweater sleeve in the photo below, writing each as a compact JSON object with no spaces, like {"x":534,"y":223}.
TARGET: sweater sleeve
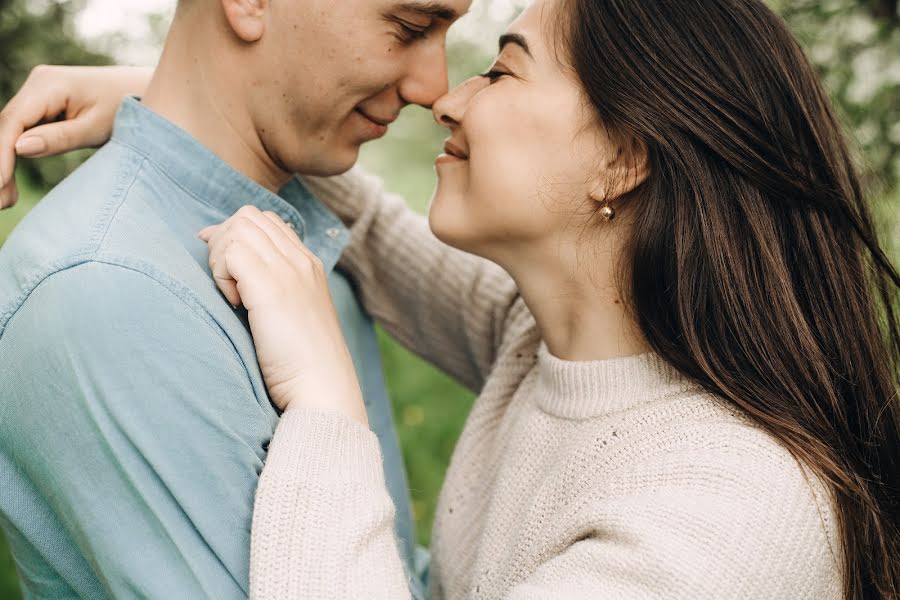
{"x":447,"y":306}
{"x":323,"y":518}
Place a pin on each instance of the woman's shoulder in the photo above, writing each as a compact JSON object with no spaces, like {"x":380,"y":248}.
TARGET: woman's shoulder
{"x":706,"y":472}
{"x":710,"y":436}
{"x":707,"y":496}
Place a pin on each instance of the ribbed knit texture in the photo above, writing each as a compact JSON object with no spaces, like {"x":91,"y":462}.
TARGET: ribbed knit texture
{"x":602,"y":479}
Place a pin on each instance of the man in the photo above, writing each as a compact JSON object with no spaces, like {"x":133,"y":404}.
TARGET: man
{"x":133,"y":418}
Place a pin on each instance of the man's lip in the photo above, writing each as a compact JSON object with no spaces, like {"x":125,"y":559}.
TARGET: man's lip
{"x":454,"y":150}
{"x":377,"y":120}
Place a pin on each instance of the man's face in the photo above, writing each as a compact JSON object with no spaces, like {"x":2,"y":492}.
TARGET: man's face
{"x":329,"y":75}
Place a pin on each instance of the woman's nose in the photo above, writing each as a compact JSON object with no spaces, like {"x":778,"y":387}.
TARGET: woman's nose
{"x":448,"y":110}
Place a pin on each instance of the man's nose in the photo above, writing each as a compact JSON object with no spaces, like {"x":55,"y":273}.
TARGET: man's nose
{"x":426,"y":80}
{"x":448,"y":110}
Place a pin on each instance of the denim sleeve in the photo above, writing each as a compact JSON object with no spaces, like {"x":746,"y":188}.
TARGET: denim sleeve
{"x":135,"y":420}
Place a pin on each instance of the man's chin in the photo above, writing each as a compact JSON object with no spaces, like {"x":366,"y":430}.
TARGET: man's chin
{"x":335,"y":163}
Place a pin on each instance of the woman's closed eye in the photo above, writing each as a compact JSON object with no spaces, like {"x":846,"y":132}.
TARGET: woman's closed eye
{"x":493,"y":75}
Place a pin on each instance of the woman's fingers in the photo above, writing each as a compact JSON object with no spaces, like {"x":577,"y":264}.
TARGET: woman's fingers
{"x":286,"y":229}
{"x":226,"y":283}
{"x":284,"y":238}
{"x":240,"y":235}
{"x":205,"y":233}
{"x":25,"y":109}
{"x":268,"y":242}
{"x":40,"y":98}
{"x":50,"y":139}
{"x":301,"y":257}
{"x":241,"y":265}
{"x":88,"y":98}
{"x":217,"y":266}
{"x":280,"y":233}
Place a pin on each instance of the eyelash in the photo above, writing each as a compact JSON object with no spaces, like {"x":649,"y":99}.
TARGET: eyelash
{"x":493,"y":75}
{"x":408,"y":34}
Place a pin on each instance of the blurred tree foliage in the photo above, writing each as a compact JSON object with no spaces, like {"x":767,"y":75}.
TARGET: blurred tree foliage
{"x":856,"y":46}
{"x":33,"y":32}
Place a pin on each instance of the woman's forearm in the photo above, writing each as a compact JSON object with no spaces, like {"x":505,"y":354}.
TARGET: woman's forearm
{"x":323,"y":518}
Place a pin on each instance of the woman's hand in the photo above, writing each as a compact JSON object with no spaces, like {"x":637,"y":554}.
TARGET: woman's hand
{"x":257,"y":260}
{"x":86,"y":97}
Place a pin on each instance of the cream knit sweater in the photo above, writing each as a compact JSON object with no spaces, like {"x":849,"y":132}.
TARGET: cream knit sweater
{"x":606,"y":479}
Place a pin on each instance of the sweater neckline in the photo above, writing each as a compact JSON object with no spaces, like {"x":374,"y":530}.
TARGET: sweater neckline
{"x":589,"y":389}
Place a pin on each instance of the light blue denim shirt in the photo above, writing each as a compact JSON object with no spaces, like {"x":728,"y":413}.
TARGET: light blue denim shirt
{"x":134,"y":421}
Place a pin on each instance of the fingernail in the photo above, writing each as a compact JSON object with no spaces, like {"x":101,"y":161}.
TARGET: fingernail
{"x":31,"y":145}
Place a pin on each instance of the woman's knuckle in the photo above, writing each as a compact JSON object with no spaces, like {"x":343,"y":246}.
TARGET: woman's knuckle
{"x":235,"y":247}
{"x":39,"y":71}
{"x":314,"y":265}
{"x":247,"y":211}
{"x":242,"y":224}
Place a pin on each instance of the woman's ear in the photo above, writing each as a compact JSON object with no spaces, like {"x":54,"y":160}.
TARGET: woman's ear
{"x":627,"y":168}
{"x":247,"y":18}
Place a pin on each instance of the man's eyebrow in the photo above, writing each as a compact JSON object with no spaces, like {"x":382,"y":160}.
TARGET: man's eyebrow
{"x":434,"y":9}
{"x":517,"y":39}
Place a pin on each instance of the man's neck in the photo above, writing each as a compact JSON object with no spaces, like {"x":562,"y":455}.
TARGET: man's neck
{"x":187,"y":90}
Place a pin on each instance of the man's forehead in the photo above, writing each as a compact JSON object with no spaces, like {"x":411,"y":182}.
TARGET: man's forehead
{"x":447,"y":10}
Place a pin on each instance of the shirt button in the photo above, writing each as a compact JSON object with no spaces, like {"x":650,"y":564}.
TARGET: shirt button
{"x":333,"y":232}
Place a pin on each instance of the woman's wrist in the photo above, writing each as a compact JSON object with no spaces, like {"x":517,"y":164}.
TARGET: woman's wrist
{"x":357,"y":416}
{"x":330,"y":391}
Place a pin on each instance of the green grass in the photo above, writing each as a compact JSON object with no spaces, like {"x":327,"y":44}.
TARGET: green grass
{"x":429,"y":411}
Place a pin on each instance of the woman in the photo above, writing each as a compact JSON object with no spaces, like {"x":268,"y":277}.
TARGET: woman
{"x":687,"y":365}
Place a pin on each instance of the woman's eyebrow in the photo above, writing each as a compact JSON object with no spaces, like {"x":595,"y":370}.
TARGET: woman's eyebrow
{"x":517,"y":39}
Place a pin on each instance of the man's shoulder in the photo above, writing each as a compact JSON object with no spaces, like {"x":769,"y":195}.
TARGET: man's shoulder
{"x":68,"y":225}
{"x":74,"y":214}
{"x":104,"y":293}
{"x":99,"y":228}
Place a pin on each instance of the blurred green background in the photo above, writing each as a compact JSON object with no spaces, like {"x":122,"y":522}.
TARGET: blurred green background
{"x":854,"y":43}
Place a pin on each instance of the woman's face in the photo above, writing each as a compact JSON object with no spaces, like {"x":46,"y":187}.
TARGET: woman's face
{"x":524,"y":157}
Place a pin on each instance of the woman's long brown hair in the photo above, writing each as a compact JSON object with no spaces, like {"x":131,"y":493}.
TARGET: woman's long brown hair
{"x":754,"y":266}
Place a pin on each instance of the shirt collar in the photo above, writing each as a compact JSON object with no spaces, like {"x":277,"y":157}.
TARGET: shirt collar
{"x":209,"y":179}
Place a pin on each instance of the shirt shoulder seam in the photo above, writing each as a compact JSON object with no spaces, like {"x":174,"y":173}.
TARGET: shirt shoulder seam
{"x":93,"y":244}
{"x":119,"y":195}
{"x":134,"y":266}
